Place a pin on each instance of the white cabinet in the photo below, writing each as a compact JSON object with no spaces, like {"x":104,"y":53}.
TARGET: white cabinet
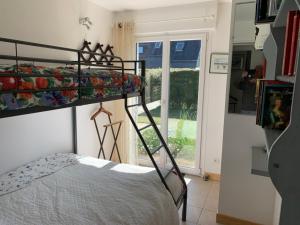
{"x":244,"y":27}
{"x":244,"y":32}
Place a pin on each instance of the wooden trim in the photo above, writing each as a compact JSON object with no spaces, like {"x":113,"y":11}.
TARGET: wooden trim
{"x":213,"y":176}
{"x":228,"y":220}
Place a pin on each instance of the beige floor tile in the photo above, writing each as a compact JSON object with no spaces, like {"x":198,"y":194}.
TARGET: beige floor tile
{"x":212,"y":200}
{"x":198,"y":191}
{"x":197,"y":200}
{"x":216,"y":186}
{"x":203,"y":198}
{"x":187,"y":223}
{"x":203,"y":187}
{"x":193,"y":214}
{"x":207,"y":218}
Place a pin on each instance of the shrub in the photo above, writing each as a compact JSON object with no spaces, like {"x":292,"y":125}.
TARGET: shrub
{"x":183,"y":100}
{"x":151,"y":140}
{"x":176,"y":144}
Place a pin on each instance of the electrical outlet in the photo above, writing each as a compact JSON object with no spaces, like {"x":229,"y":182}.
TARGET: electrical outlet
{"x":217,"y":160}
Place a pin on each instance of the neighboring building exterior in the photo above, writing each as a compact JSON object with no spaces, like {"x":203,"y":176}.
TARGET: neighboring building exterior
{"x":184,"y":54}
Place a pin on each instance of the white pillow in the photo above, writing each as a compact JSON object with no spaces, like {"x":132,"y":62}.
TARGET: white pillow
{"x":24,"y":175}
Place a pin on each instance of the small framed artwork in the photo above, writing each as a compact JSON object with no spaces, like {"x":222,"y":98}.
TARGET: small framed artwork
{"x":219,"y":63}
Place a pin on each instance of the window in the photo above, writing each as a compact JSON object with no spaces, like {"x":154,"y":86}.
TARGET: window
{"x":141,"y":50}
{"x":179,"y":46}
{"x":157,"y":45}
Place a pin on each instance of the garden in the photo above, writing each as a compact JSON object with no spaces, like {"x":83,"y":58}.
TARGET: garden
{"x":182,"y":118}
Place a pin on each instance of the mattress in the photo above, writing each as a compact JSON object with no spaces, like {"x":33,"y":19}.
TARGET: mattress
{"x":70,"y":189}
{"x":58,"y":86}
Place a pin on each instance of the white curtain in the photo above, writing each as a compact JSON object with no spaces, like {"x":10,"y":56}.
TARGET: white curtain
{"x":124,"y":40}
{"x":124,"y":46}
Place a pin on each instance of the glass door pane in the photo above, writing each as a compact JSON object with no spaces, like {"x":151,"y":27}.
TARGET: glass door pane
{"x":151,"y":52}
{"x":183,"y":101}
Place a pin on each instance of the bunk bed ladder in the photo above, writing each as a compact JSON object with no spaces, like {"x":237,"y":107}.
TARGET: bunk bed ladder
{"x":163,"y":174}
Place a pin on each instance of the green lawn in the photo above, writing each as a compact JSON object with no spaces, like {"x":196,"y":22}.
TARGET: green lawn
{"x":182,"y":138}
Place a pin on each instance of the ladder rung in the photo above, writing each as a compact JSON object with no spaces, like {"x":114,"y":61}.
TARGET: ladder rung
{"x":180,"y":197}
{"x":157,"y":149}
{"x":170,"y":171}
{"x":129,"y":106}
{"x":145,"y":127}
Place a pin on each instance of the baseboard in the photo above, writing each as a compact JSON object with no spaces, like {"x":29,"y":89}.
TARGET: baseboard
{"x":213,"y":176}
{"x":229,"y":220}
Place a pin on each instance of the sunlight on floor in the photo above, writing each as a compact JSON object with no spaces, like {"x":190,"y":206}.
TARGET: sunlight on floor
{"x":187,"y":180}
{"x":203,"y":200}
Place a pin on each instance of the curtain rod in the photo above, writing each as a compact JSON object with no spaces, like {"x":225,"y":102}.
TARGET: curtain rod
{"x":204,"y":18}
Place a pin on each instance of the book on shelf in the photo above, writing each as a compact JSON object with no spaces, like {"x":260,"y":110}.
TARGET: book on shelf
{"x":291,"y":43}
{"x":273,"y":104}
{"x":288,"y":41}
{"x":259,"y":96}
{"x":294,"y":44}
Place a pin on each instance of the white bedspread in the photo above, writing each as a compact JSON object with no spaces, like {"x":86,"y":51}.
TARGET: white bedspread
{"x":92,"y":192}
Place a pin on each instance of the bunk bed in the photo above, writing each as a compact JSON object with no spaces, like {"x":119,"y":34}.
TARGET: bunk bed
{"x":32,"y":84}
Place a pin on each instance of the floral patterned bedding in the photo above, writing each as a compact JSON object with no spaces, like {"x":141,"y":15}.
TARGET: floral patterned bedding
{"x":54,"y":87}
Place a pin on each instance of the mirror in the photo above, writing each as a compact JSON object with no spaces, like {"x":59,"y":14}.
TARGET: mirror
{"x":248,"y":61}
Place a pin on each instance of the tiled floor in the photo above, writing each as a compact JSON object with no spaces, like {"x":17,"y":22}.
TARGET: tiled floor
{"x":203,"y":197}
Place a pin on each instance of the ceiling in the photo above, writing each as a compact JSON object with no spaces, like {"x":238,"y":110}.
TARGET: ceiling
{"x":121,"y":5}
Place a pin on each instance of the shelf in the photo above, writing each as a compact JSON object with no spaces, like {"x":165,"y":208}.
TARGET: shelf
{"x":273,"y":52}
{"x":259,"y":162}
{"x":265,"y":21}
{"x":289,"y":79}
{"x":271,"y":136}
{"x":288,"y":5}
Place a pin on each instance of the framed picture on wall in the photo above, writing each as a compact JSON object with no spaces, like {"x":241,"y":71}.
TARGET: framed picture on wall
{"x":219,"y":63}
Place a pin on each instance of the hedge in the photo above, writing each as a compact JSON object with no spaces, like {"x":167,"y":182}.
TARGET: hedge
{"x":183,"y":89}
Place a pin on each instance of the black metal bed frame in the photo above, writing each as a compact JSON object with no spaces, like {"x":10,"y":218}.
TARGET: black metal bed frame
{"x":105,"y":62}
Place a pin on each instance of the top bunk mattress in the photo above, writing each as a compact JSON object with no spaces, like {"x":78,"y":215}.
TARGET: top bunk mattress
{"x":27,"y":85}
{"x":70,"y":189}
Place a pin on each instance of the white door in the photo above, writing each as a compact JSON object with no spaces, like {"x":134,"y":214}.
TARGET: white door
{"x":174,"y":93}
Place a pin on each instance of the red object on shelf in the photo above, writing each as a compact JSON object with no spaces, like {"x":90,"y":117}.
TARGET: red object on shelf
{"x":264,"y":69}
{"x":288,"y":42}
{"x":294,"y":44}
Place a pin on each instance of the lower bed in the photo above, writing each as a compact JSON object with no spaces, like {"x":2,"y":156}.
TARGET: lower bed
{"x":69,"y":189}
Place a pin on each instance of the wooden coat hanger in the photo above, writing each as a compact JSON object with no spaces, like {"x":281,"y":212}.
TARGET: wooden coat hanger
{"x":100,"y":110}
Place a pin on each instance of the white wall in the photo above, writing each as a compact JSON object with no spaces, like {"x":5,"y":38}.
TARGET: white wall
{"x":189,"y":19}
{"x":182,"y":18}
{"x":54,"y":22}
{"x":88,"y":142}
{"x":215,"y":93}
{"x":243,"y":195}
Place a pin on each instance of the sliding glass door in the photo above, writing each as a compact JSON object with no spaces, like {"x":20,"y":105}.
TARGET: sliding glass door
{"x":175,"y":84}
{"x":183,"y":101}
{"x":152,"y":53}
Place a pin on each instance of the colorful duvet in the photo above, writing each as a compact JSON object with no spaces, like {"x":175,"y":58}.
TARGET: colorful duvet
{"x":54,"y":87}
